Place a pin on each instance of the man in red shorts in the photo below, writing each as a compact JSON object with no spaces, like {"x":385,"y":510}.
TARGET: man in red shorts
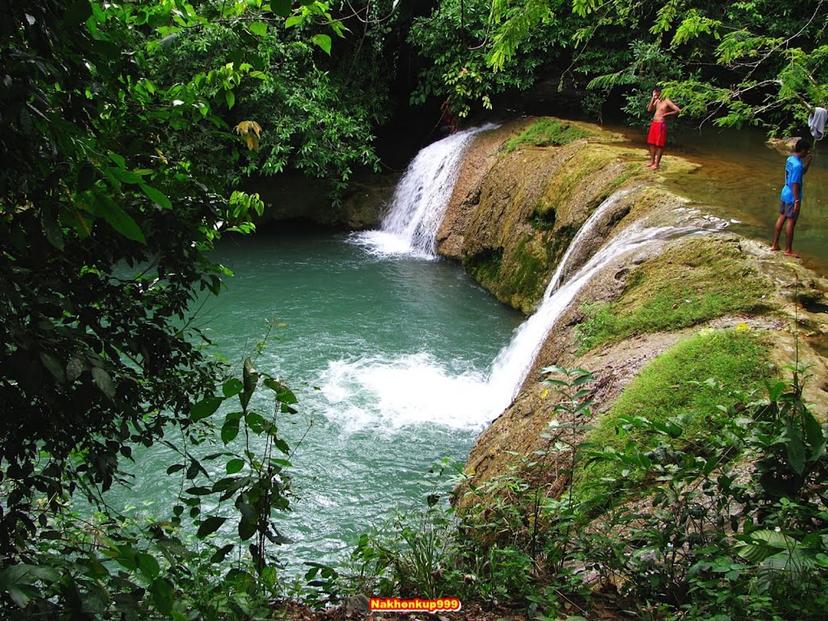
{"x":657,"y":136}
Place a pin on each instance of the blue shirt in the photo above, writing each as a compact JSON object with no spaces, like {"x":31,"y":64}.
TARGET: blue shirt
{"x":793,"y":174}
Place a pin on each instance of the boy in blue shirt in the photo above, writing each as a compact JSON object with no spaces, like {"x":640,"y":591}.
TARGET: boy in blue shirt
{"x":790,"y":201}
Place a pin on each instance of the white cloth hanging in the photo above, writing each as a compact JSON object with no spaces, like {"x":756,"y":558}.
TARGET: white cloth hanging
{"x":816,"y":122}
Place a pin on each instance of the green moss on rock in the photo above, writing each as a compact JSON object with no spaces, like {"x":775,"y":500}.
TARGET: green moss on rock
{"x":547,"y":132}
{"x":694,"y":281}
{"x":692,"y":380}
{"x":484,"y":266}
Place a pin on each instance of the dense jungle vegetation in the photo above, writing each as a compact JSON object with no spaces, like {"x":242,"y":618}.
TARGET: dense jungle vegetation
{"x":127,"y":131}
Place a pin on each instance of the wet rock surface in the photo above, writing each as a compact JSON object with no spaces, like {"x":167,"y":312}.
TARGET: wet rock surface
{"x":511,"y":219}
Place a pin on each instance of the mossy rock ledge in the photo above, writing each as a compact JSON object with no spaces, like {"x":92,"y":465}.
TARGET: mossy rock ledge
{"x":719,"y":306}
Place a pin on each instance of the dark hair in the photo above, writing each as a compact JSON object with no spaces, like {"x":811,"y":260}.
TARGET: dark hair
{"x":803,"y":144}
{"x":657,"y":87}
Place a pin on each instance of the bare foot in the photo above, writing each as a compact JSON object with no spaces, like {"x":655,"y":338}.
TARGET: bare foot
{"x":774,"y":248}
{"x":791,"y":253}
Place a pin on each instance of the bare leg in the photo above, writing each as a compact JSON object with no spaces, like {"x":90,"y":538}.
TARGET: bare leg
{"x":780,"y":221}
{"x":652,"y":156}
{"x":789,"y":233}
{"x":659,"y":153}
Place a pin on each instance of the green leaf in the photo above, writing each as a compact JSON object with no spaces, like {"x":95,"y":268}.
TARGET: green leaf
{"x":125,"y":176}
{"x":118,"y":159}
{"x":117,"y":218}
{"x":283,"y":393}
{"x":230,"y":98}
{"x":104,"y":383}
{"x":323,"y":41}
{"x":813,"y":434}
{"x":204,"y":408}
{"x":162,"y":595}
{"x":795,"y":447}
{"x":232,"y":387}
{"x":251,"y":379}
{"x":77,"y":12}
{"x":281,"y":7}
{"x":147,"y":565}
{"x":156,"y":196}
{"x":229,"y":431}
{"x":51,"y":228}
{"x":234,"y":465}
{"x":209,"y":526}
{"x":52,"y":364}
{"x":247,"y":527}
{"x":258,"y":28}
{"x":220,"y":554}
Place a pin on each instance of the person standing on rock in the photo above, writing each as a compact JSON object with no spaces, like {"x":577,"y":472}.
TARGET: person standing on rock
{"x":790,"y":200}
{"x":661,"y":107}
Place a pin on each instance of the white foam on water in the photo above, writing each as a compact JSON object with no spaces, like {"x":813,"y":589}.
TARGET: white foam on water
{"x":384,"y":245}
{"x":391,"y":393}
{"x":417,"y":389}
{"x":420,"y":200}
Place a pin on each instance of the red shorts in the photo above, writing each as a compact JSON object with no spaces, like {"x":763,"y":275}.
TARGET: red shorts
{"x":658,"y":134}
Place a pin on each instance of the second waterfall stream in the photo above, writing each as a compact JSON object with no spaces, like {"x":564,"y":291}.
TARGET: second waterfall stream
{"x":415,"y":388}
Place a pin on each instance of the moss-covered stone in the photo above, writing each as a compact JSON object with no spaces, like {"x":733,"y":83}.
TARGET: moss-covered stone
{"x":484,"y":266}
{"x":529,"y":205}
{"x":687,"y":385}
{"x":690,"y":282}
{"x":547,"y":132}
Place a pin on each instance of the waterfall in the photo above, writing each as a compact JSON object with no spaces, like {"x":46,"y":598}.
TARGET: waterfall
{"x":410,"y":228}
{"x":513,"y":363}
{"x":421,"y":198}
{"x":583,"y":234}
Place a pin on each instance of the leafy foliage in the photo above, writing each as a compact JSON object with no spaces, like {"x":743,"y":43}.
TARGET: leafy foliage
{"x":316,"y":114}
{"x":111,"y":200}
{"x":755,"y":62}
{"x":107,"y":564}
{"x":454,"y":44}
{"x":714,"y":539}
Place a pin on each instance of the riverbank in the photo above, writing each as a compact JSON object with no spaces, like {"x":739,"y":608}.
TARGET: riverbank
{"x":685,"y":329}
{"x":511,"y":220}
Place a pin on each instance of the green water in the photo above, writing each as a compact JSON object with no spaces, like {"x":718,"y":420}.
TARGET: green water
{"x":386,"y":356}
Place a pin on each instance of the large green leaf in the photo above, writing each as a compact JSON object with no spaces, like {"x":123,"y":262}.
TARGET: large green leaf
{"x":209,"y":526}
{"x":162,"y":595}
{"x":147,"y":565}
{"x":118,"y":219}
{"x":204,"y":408}
{"x":281,"y":7}
{"x":323,"y":41}
{"x":795,"y":447}
{"x":156,"y":196}
{"x":258,"y":28}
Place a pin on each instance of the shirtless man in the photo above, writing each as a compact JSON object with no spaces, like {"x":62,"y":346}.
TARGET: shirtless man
{"x":657,"y":137}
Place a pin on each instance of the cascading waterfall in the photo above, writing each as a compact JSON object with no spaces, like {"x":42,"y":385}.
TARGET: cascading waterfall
{"x":474,"y":398}
{"x":514,"y":361}
{"x":581,"y":236}
{"x":420,"y":199}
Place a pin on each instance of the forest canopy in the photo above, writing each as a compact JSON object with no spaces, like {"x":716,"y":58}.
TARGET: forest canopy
{"x":730,"y":63}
